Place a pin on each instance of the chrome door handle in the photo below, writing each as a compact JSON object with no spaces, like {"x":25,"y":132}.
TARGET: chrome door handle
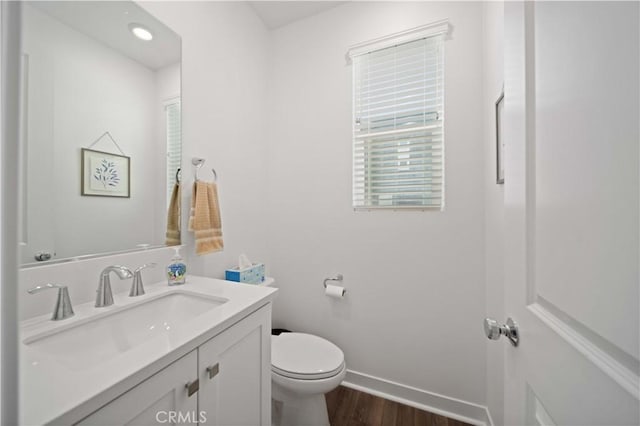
{"x":493,"y":330}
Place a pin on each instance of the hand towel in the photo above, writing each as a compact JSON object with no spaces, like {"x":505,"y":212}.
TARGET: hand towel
{"x":204,"y":218}
{"x":173,"y":217}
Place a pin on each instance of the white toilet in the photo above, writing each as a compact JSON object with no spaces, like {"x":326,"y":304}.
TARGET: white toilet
{"x":303,"y":368}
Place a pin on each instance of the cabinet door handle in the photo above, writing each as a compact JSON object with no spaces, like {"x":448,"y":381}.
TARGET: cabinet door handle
{"x":193,"y":387}
{"x":213,"y":370}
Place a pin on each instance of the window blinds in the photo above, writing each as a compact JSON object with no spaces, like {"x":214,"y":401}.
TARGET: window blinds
{"x":398,"y":125}
{"x":174,"y":143}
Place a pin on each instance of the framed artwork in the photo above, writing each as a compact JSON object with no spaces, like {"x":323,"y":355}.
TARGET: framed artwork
{"x":499,"y":140}
{"x":105,"y":174}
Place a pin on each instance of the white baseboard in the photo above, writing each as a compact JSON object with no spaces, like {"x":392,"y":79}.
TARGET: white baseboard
{"x":438,"y":404}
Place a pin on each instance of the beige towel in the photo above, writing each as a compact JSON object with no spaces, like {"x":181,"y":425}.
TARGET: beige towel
{"x":173,"y":217}
{"x":204,"y":218}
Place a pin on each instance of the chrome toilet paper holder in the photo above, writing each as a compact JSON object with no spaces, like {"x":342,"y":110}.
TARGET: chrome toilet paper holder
{"x":338,"y":277}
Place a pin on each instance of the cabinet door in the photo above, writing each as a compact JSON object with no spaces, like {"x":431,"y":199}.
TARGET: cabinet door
{"x":235,"y":373}
{"x":162,"y":399}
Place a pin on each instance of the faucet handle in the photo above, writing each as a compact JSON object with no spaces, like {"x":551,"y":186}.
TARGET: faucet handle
{"x":145,"y":266}
{"x":63,"y":308}
{"x":137,"y":289}
{"x":47,"y":286}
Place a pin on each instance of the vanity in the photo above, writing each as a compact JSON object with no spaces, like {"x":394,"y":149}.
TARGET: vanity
{"x":200,"y":351}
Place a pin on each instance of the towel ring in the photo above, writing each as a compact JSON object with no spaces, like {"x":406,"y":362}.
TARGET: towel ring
{"x":198,"y":163}
{"x":178,"y":175}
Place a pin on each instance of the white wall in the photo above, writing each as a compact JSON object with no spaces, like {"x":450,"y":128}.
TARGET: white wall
{"x":415,"y":302}
{"x":79,"y":88}
{"x":494,"y":203}
{"x":225,"y":48}
{"x":168,"y":82}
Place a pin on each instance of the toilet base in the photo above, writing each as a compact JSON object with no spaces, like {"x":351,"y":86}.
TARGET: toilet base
{"x":301,"y":402}
{"x":305,"y":410}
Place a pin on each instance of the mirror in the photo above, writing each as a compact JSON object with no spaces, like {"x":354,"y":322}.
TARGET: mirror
{"x":100,"y":129}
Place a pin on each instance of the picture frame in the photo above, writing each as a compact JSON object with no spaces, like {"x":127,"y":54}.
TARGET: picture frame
{"x":499,"y":140}
{"x":104,"y":174}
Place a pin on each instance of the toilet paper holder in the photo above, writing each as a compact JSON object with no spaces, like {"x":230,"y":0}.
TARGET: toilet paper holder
{"x":338,"y":277}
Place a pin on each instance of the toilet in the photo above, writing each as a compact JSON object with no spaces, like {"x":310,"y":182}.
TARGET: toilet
{"x":303,"y":368}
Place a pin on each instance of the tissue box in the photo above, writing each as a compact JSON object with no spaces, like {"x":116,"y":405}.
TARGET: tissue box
{"x":251,"y":275}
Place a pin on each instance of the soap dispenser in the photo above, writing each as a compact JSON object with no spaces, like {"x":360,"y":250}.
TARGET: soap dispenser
{"x":177,"y":270}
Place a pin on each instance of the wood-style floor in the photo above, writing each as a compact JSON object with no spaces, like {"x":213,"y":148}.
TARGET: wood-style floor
{"x":348,"y":407}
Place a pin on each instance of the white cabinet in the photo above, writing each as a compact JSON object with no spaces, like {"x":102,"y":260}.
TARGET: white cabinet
{"x":152,"y":401}
{"x":234,"y":383}
{"x":235,"y":374}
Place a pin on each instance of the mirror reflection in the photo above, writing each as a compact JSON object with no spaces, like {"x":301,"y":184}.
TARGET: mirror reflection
{"x":100,"y":130}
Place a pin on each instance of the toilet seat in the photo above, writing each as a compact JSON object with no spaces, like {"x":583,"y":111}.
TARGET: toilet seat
{"x":305,"y":357}
{"x":293,"y":375}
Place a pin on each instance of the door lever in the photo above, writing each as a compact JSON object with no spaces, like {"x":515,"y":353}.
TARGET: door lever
{"x":493,"y":330}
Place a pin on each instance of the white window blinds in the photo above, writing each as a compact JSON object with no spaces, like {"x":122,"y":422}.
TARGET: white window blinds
{"x":174,"y":142}
{"x":398,"y":125}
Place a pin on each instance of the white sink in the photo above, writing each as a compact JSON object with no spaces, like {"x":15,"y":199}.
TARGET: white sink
{"x":86,"y":343}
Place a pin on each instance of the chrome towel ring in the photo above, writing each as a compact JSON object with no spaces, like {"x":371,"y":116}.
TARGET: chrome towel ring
{"x":198,"y":163}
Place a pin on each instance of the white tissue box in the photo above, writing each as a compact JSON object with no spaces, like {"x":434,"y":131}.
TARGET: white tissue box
{"x":251,"y":275}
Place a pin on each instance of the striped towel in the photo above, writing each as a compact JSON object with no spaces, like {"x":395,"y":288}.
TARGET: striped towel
{"x":204,"y":218}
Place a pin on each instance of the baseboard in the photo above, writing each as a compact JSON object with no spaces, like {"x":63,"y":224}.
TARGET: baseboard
{"x":438,"y":404}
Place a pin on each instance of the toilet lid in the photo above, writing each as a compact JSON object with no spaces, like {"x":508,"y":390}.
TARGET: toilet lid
{"x":305,"y":356}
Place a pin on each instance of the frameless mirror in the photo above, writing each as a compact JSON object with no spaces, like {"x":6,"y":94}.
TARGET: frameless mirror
{"x":100,"y":129}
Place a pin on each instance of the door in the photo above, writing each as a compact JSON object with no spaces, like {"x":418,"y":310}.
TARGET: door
{"x":572,"y":223}
{"x":235,"y":374}
{"x":162,"y":399}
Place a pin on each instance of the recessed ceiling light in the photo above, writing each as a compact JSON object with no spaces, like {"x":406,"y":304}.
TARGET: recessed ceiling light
{"x":141,"y":32}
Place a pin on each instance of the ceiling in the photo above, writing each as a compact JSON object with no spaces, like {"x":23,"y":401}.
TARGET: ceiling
{"x":108,"y":21}
{"x":276,"y":14}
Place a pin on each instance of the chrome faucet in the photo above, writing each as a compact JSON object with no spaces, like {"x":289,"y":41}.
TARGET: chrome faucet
{"x":137,"y":289}
{"x":104,"y":296}
{"x":62,"y":309}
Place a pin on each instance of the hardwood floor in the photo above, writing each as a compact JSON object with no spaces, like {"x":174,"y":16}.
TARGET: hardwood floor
{"x":348,"y":407}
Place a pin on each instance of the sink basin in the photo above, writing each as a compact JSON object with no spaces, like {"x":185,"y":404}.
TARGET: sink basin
{"x":86,"y":343}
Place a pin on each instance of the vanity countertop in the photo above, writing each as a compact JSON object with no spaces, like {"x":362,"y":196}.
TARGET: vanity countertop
{"x":53,"y":391}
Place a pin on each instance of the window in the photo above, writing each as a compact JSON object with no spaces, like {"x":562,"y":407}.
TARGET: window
{"x":398,"y":116}
{"x":174,"y":142}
